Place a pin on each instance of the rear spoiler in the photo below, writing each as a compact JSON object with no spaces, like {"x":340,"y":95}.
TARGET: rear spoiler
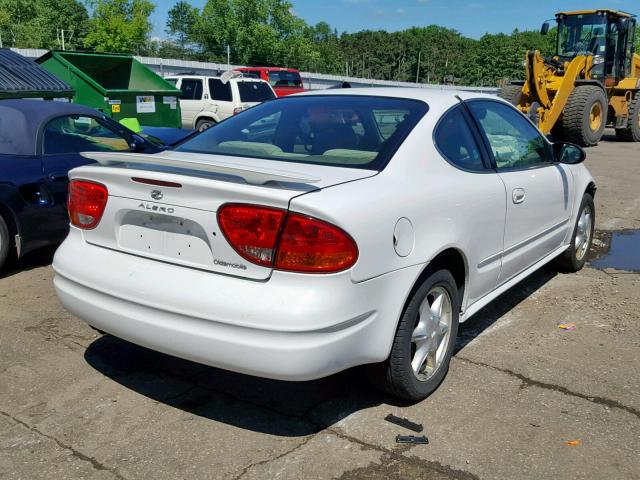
{"x":252,"y":175}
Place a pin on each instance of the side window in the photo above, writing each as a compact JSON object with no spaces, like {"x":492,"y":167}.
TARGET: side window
{"x":455,"y":141}
{"x":515,"y":143}
{"x":191,"y":89}
{"x":220,"y":91}
{"x":74,"y":134}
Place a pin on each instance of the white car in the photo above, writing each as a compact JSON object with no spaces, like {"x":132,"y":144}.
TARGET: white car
{"x":205,"y":100}
{"x":325,"y":230}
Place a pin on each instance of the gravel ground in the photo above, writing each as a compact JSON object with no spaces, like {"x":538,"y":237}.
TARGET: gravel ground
{"x":76,"y":404}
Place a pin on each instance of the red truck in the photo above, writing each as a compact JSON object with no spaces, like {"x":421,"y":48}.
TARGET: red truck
{"x":284,"y":81}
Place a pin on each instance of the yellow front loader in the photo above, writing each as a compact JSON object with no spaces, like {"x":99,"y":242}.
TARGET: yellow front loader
{"x":592,"y":81}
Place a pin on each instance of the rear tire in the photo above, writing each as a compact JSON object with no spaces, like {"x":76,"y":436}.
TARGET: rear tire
{"x":511,"y":93}
{"x":5,"y":242}
{"x":585,"y":116}
{"x":574,"y":257}
{"x":632,"y":132}
{"x":204,"y":124}
{"x":433,"y":308}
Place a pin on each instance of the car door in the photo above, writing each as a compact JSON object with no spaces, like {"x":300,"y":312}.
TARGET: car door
{"x":221,"y":97}
{"x":63,"y":138}
{"x":480,"y":196}
{"x":191,"y":100}
{"x":538,"y":188}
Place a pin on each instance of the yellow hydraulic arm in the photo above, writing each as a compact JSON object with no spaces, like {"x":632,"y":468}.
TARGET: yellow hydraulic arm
{"x":548,"y":92}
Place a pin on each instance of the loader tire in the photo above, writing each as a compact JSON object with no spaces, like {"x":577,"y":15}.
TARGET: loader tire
{"x":632,"y":132}
{"x":511,"y":93}
{"x":585,"y":116}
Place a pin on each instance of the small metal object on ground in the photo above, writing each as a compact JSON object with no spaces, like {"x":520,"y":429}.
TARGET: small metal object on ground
{"x":423,"y":440}
{"x":404,"y":422}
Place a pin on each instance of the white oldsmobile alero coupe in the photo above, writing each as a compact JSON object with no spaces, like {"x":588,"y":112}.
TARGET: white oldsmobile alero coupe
{"x":325,"y":230}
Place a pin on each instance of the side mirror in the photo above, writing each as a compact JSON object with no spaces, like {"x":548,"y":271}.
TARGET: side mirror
{"x":568,"y":153}
{"x":544,"y":29}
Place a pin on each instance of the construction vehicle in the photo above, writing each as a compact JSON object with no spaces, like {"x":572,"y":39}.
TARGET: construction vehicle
{"x":592,"y":81}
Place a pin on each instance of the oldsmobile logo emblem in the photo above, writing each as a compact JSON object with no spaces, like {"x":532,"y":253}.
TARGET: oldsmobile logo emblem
{"x":156,"y":194}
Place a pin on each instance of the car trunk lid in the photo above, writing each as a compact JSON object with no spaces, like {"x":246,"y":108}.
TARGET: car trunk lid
{"x":163,"y":206}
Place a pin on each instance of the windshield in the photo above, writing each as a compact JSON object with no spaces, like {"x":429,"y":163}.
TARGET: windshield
{"x":355,"y":131}
{"x":285,"y":79}
{"x":582,"y":35}
{"x":255,"y":92}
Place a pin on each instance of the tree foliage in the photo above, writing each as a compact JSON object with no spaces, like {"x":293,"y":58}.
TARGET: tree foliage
{"x":181,"y":22}
{"x":39,"y":23}
{"x":119,"y":25}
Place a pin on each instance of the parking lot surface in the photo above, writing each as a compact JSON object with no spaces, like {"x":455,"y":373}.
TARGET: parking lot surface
{"x":523,"y":397}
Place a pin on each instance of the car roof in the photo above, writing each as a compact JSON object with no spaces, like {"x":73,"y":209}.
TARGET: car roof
{"x":20,"y":121}
{"x":437,"y":99}
{"x":217,"y":77}
{"x":269,"y":69}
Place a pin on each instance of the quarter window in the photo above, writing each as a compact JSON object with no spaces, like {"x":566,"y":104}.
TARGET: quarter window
{"x":73,"y":134}
{"x":220,"y":91}
{"x":515,"y":143}
{"x":456,"y":142}
{"x":191,"y":89}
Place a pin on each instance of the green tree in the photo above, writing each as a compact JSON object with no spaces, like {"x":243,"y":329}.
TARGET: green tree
{"x":181,"y":21}
{"x":326,"y":42}
{"x":39,"y":23}
{"x":119,"y":25}
{"x":257,"y":32}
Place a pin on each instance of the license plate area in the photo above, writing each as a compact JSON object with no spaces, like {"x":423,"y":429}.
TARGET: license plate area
{"x":165,"y":237}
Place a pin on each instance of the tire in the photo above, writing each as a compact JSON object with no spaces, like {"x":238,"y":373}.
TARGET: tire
{"x":511,"y":93}
{"x":585,"y":116}
{"x":574,"y":258}
{"x":632,"y":132}
{"x":5,"y":243}
{"x":396,"y":374}
{"x":204,"y":124}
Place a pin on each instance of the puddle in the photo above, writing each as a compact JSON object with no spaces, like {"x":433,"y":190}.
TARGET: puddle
{"x":618,"y":250}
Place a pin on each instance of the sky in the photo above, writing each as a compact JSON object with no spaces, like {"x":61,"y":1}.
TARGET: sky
{"x":472,"y":18}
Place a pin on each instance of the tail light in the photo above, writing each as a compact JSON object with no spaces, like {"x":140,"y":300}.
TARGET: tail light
{"x":286,"y":241}
{"x":251,"y":231}
{"x":86,"y":203}
{"x":237,"y":110}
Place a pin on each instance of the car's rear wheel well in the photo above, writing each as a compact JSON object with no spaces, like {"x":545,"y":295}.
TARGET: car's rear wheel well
{"x":452,"y":260}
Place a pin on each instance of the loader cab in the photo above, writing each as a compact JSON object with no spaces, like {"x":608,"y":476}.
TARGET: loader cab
{"x":606,"y":35}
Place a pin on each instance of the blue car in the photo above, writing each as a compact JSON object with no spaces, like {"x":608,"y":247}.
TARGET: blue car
{"x":40,"y":142}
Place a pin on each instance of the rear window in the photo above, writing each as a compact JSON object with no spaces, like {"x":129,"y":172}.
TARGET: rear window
{"x":354,"y":131}
{"x":255,"y":92}
{"x":285,"y":79}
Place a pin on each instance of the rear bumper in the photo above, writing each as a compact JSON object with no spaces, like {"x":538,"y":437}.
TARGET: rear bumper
{"x":291,"y":327}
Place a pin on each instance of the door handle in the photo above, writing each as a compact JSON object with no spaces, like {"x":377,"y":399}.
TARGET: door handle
{"x":518,"y":195}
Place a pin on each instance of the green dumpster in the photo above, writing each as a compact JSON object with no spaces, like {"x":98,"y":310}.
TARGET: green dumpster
{"x":117,"y":85}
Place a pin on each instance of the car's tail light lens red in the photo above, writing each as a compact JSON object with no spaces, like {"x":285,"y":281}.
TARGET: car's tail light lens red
{"x":310,"y":245}
{"x":251,"y":231}
{"x":286,"y":241}
{"x":86,"y":203}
